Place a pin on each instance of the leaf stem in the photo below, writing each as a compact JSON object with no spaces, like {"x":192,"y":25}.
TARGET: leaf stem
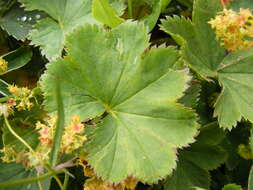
{"x":40,"y":186}
{"x":16,"y":135}
{"x":55,"y":176}
{"x":3,"y":99}
{"x":130,"y":9}
{"x":31,"y":150}
{"x":59,"y":127}
{"x":66,"y":180}
{"x":29,"y":180}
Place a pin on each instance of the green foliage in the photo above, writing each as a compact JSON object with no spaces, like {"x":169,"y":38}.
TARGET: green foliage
{"x":191,"y":95}
{"x":18,"y":22}
{"x":237,"y":4}
{"x":17,"y":58}
{"x":234,"y":71}
{"x":194,"y":162}
{"x":250,"y":185}
{"x":3,"y":88}
{"x":110,"y":102}
{"x":196,"y":37}
{"x":156,"y":8}
{"x":13,"y":171}
{"x":103,"y":12}
{"x":136,"y":92}
{"x":50,"y":32}
{"x":232,"y":187}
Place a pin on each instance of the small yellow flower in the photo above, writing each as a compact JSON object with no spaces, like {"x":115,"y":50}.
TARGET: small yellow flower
{"x":21,"y":97}
{"x":39,"y":125}
{"x":72,"y":138}
{"x":13,"y":89}
{"x":3,"y":65}
{"x":234,"y":29}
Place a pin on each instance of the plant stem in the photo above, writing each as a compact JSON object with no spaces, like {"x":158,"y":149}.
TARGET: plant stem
{"x":130,"y":9}
{"x":59,"y":127}
{"x":40,"y":186}
{"x":55,"y":176}
{"x":3,"y":99}
{"x":17,"y":136}
{"x":30,"y":148}
{"x":29,"y":180}
{"x":66,"y":180}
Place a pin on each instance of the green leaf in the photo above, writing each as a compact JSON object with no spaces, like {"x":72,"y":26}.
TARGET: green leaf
{"x":137,"y":93}
{"x":206,"y":152}
{"x":236,"y":77}
{"x":157,"y":7}
{"x":187,"y":176}
{"x":238,"y":4}
{"x":232,"y":187}
{"x":18,"y":58}
{"x":199,"y":45}
{"x":204,"y":54}
{"x":65,"y":16}
{"x":194,"y":162}
{"x":250,"y":182}
{"x":164,"y":4}
{"x":5,"y":6}
{"x":103,"y":12}
{"x":4,"y":88}
{"x":186,"y":3}
{"x":13,"y":171}
{"x":119,"y":6}
{"x":18,"y":22}
{"x":191,"y":97}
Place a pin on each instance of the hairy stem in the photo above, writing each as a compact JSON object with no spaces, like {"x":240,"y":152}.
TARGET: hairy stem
{"x":130,"y":9}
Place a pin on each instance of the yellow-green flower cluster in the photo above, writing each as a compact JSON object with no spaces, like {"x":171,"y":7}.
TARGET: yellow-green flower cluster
{"x":3,"y":65}
{"x":21,"y":97}
{"x":234,"y":29}
{"x":47,"y":131}
{"x":96,"y":183}
{"x":10,"y":155}
{"x":72,"y":139}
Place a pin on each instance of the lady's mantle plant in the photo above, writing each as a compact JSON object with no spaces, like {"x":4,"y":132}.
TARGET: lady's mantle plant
{"x":118,"y":110}
{"x":134,"y":90}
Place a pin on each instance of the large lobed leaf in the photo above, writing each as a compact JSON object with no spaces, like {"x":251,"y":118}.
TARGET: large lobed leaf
{"x":107,"y":72}
{"x":208,"y":58}
{"x":236,"y":77}
{"x":65,"y":15}
{"x":200,"y":48}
